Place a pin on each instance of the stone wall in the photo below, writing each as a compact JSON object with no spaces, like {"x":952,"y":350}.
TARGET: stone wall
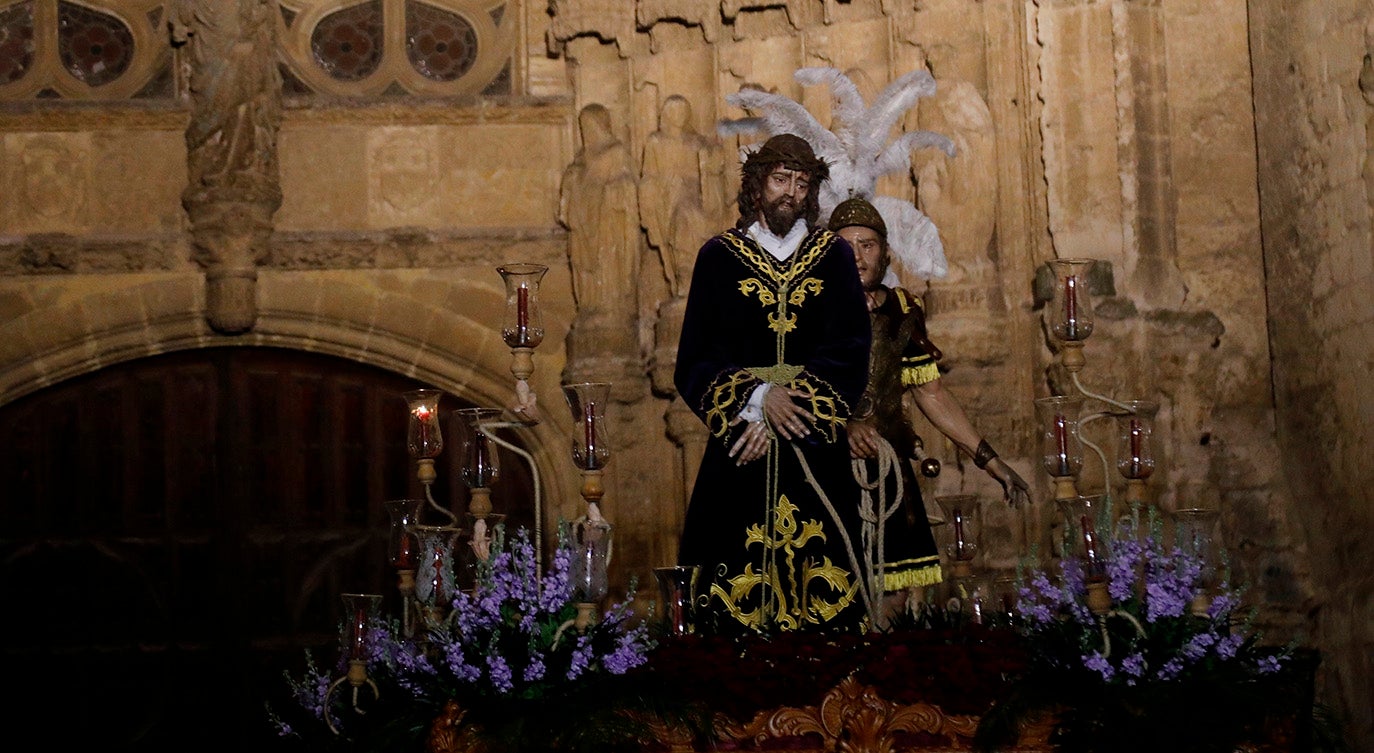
{"x":1316,"y":152}
{"x":234,"y":208}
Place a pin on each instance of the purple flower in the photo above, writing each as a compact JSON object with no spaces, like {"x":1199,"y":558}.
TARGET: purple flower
{"x":1074,"y":591}
{"x":1121,"y":569}
{"x":1228,"y":646}
{"x":1268,"y":664}
{"x":458,"y":664}
{"x":535,"y":671}
{"x":1171,"y":669}
{"x":1099,"y":664}
{"x":581,"y":657}
{"x":1222,"y":605}
{"x":1197,"y":646}
{"x":629,"y":652}
{"x":1171,"y":580}
{"x":500,"y":673}
{"x":1133,"y":667}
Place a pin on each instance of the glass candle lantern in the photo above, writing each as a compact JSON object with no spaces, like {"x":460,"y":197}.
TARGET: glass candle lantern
{"x":424,"y":440}
{"x":1071,"y":309}
{"x":360,"y":611}
{"x":402,"y":548}
{"x":1003,"y":590}
{"x":1196,"y":536}
{"x":522,"y":325}
{"x":591,"y":540}
{"x":677,"y":589}
{"x":1135,"y":459}
{"x":587,"y":401}
{"x":962,"y":518}
{"x":435,"y":584}
{"x":1061,"y":448}
{"x":481,"y":467}
{"x":1086,"y":525}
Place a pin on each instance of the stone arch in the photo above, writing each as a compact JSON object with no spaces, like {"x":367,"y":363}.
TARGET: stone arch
{"x":443,"y":332}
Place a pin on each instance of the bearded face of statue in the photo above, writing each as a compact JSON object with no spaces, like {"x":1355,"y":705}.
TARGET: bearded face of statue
{"x":784,"y":196}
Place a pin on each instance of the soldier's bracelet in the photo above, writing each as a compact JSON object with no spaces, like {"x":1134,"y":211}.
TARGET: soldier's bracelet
{"x":983,"y":455}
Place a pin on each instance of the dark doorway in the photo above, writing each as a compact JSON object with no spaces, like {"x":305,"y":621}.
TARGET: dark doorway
{"x":176,"y":531}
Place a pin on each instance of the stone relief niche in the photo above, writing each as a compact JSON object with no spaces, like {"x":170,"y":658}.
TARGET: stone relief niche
{"x":49,"y":176}
{"x":402,"y":177}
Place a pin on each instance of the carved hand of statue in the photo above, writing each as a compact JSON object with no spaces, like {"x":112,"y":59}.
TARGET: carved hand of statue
{"x":1015,"y":490}
{"x":863,"y":439}
{"x":752,"y":443}
{"x":789,"y":420}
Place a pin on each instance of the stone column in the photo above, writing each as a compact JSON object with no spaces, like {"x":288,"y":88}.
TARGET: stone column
{"x":234,"y":185}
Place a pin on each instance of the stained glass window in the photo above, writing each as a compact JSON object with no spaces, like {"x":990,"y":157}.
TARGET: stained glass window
{"x":384,"y":48}
{"x":441,"y":45}
{"x":95,"y":48}
{"x":92,"y":49}
{"x":16,"y":42}
{"x":348,"y":43}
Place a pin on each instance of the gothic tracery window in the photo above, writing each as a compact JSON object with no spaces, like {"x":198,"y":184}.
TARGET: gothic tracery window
{"x":379,"y":47}
{"x":118,"y":49}
{"x":84,"y":49}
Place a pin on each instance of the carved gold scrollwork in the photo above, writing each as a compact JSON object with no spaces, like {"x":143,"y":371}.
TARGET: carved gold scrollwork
{"x":852,"y":717}
{"x":448,"y":733}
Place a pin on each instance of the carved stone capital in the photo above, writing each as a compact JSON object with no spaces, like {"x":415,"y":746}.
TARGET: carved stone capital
{"x":229,"y":239}
{"x":231,"y":300}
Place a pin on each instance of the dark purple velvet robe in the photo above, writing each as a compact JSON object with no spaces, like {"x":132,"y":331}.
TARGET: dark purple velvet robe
{"x":773,"y":555}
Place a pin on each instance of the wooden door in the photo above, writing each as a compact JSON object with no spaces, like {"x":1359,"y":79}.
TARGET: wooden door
{"x":176,"y":531}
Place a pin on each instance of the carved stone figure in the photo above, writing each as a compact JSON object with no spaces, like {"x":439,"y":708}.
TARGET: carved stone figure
{"x":670,"y":188}
{"x":690,"y":12}
{"x":959,"y":193}
{"x":598,"y":205}
{"x":607,"y":20}
{"x":231,"y":143}
{"x":235,"y":90}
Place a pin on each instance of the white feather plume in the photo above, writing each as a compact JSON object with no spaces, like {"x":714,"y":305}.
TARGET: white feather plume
{"x":849,"y":103}
{"x":859,"y":153}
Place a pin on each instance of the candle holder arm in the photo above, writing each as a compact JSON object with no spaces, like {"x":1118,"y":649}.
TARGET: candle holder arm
{"x":1106,"y":464}
{"x":429,"y":496}
{"x":534,"y":476}
{"x":1106,"y":467}
{"x":1109,"y":401}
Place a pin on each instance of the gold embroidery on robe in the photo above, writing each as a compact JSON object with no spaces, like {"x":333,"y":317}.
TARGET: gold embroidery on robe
{"x":798,"y":264}
{"x":810,"y":285}
{"x":785,"y":591}
{"x":719,"y":411}
{"x":754,"y":285}
{"x":782,"y":373}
